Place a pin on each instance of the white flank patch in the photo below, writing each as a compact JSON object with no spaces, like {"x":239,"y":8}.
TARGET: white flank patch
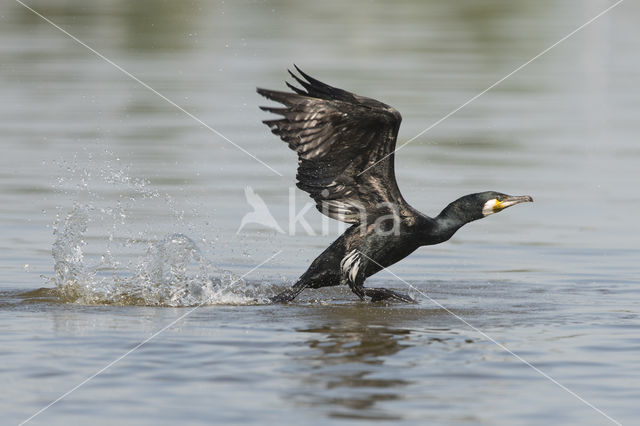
{"x":350,"y":265}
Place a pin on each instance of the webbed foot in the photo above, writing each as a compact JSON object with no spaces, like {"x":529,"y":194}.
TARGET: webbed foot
{"x":380,"y":294}
{"x":288,"y":295}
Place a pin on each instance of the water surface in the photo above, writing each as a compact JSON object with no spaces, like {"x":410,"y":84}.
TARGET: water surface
{"x":126,"y":210}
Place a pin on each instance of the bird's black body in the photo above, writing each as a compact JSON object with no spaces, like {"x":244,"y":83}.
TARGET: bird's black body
{"x":345,"y":145}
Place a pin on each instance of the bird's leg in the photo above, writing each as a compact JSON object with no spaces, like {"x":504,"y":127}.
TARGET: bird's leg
{"x":357,"y":288}
{"x":289,"y":294}
{"x":353,"y":267}
{"x":380,"y":294}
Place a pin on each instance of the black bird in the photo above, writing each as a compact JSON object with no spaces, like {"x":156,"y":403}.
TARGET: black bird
{"x":345,"y":145}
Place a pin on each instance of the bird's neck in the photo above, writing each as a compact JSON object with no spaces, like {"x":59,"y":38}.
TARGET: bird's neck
{"x":452,"y":218}
{"x":445,"y":228}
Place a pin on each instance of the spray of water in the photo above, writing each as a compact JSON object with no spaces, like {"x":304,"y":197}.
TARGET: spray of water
{"x":170,"y":271}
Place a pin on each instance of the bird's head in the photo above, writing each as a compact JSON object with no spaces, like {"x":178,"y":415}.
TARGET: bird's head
{"x":491,"y":202}
{"x":469,"y":208}
{"x":476,"y":206}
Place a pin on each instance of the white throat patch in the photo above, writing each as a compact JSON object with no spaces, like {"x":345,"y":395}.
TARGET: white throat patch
{"x":490,"y":207}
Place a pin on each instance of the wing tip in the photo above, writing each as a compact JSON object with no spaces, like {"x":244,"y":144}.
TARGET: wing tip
{"x":285,"y":98}
{"x":264,"y":92}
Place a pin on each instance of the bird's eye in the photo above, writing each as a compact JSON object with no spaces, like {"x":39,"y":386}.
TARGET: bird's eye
{"x":499,"y":199}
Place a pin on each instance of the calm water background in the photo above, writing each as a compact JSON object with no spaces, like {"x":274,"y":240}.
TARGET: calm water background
{"x":556,"y":281}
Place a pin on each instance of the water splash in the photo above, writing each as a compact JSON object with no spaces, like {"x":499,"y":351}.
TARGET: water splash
{"x":170,"y":271}
{"x":173,"y":272}
{"x":68,"y":255}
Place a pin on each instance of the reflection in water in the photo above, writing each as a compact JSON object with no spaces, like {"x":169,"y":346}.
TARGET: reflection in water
{"x":153,"y":26}
{"x":144,"y":25}
{"x":359,"y":358}
{"x":346,"y":369}
{"x":353,"y":365}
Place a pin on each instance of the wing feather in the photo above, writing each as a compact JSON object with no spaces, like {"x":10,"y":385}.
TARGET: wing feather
{"x":338,"y":135}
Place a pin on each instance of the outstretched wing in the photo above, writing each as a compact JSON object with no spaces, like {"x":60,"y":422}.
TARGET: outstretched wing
{"x":338,"y":135}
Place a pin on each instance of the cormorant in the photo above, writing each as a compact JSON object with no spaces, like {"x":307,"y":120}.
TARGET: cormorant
{"x":345,"y":145}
